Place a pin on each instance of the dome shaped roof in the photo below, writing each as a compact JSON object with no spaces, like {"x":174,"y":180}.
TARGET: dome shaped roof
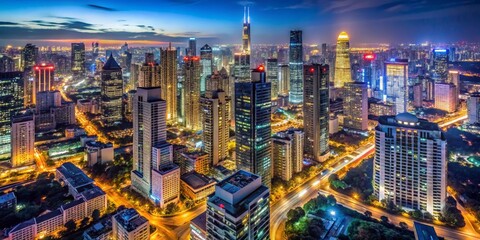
{"x":343,"y":36}
{"x":406,"y":117}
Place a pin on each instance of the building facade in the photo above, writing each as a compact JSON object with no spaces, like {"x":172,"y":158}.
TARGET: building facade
{"x":12,"y":101}
{"x":23,"y":139}
{"x":473,"y":108}
{"x":396,"y":82}
{"x":355,"y":106}
{"x":342,"y":72}
{"x":169,"y":81}
{"x":112,"y":92}
{"x":296,"y":67}
{"x":446,"y":97}
{"x":192,"y":73}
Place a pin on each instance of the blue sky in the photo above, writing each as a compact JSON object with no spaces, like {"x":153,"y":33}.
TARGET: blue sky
{"x":159,"y":21}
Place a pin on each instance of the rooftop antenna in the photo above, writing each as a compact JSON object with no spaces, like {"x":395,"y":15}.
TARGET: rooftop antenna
{"x":244,"y":14}
{"x":248,"y":10}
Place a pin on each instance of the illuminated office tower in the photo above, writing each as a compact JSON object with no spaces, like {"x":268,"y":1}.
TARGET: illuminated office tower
{"x":429,"y":89}
{"x":206,"y":60}
{"x":454,"y":78}
{"x":246,"y":38}
{"x":215,"y":110}
{"x":112,"y":92}
{"x":29,"y":56}
{"x":239,"y":209}
{"x":418,"y":95}
{"x":396,"y":82}
{"x":44,"y":79}
{"x":473,"y":108}
{"x":316,"y":111}
{"x":6,"y":64}
{"x":342,"y":61}
{"x":95,"y":49}
{"x":272,"y":77}
{"x":149,"y":74}
{"x":283,"y":80}
{"x":149,"y":130}
{"x":219,"y":81}
{"x":22,"y":139}
{"x":78,"y":59}
{"x":168,"y":58}
{"x":192,"y":47}
{"x":12,"y":95}
{"x":296,"y":67}
{"x":192,"y":72}
{"x":253,"y":125}
{"x":241,"y":67}
{"x":355,"y":106}
{"x":440,"y":64}
{"x":410,"y":165}
{"x":445,"y":97}
{"x":369,"y":76}
{"x":287,"y":153}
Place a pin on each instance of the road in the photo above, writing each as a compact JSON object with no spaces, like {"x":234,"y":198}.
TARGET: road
{"x":308,"y":190}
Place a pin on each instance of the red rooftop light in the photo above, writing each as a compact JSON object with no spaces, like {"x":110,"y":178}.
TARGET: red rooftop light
{"x":261,"y":68}
{"x":369,"y":56}
{"x":312,"y":70}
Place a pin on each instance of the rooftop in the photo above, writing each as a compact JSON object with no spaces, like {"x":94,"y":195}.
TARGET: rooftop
{"x":196,"y":180}
{"x":7,"y":197}
{"x":22,"y":225}
{"x":237,"y":181}
{"x":129,"y":219}
{"x":424,"y":232}
{"x":200,"y":221}
{"x":99,"y":229}
{"x":408,"y":120}
{"x":72,"y":204}
{"x":111,"y":64}
{"x":48,"y":216}
{"x":74,"y":175}
{"x":194,"y":154}
{"x":92,"y":193}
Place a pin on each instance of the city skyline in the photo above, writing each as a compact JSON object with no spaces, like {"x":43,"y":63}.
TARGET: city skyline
{"x":51,"y":23}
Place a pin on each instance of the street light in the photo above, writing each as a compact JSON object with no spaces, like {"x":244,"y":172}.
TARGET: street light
{"x":332,"y":213}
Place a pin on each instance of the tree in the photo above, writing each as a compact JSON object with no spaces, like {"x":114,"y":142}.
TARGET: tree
{"x":403,"y":225}
{"x":368,"y":214}
{"x":384,"y":219}
{"x":171,"y":208}
{"x":95,"y":215}
{"x":417,"y":214}
{"x":295,"y":214}
{"x":85,"y":221}
{"x":331,"y":200}
{"x":70,"y":226}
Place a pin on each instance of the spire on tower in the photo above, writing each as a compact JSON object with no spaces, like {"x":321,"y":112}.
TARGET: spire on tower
{"x":248,"y":13}
{"x":244,"y":14}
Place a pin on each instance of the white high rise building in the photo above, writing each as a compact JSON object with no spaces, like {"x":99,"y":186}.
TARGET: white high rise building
{"x":410,"y":166}
{"x":396,"y":79}
{"x":22,"y":140}
{"x":473,"y":107}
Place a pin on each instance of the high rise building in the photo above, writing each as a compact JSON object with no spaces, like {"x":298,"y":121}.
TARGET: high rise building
{"x":129,"y":225}
{"x":192,"y":72}
{"x":12,"y":100}
{"x":51,"y":111}
{"x":418,"y":95}
{"x":239,"y":209}
{"x":410,"y":167}
{"x":440,"y":64}
{"x":454,"y":78}
{"x":246,"y":38}
{"x":149,"y":129}
{"x":149,"y":75}
{"x":29,"y":57}
{"x":283,"y":80}
{"x":355,"y":106}
{"x":473,"y":108}
{"x":6,"y":64}
{"x":22,"y":139}
{"x":215,"y":110}
{"x":396,"y":82}
{"x":296,"y":67}
{"x":369,"y":70}
{"x":112,"y":92}
{"x":342,"y":72}
{"x":316,"y":111}
{"x":241,"y":67}
{"x":169,"y":82}
{"x":95,"y":49}
{"x":206,"y":60}
{"x":272,"y":77}
{"x":78,"y":59}
{"x":44,"y":79}
{"x":287,"y":153}
{"x":219,"y":81}
{"x":192,"y":47}
{"x":445,"y":97}
{"x":253,"y":125}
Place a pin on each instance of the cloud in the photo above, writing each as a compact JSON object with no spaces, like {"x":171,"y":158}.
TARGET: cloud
{"x":146,"y":27}
{"x":8,"y":23}
{"x":98,"y":7}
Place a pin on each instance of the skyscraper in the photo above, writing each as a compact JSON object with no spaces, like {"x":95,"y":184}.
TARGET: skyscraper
{"x":192,"y":72}
{"x":410,"y":165}
{"x":355,"y":106}
{"x":78,"y":59}
{"x":316,"y":111}
{"x":440,"y":64}
{"x":418,"y":95}
{"x":272,"y":77}
{"x":192,"y":47}
{"x":454,"y":78}
{"x":239,"y":209}
{"x":44,"y":79}
{"x":241,"y":67}
{"x":219,"y":81}
{"x":29,"y":56}
{"x":168,"y":58}
{"x":12,"y":100}
{"x":112,"y":92}
{"x":445,"y":97}
{"x":206,"y":60}
{"x":287,"y":153}
{"x":253,"y":125}
{"x":396,"y":82}
{"x":6,"y":64}
{"x":283,"y":80}
{"x":296,"y":67}
{"x":246,"y":38}
{"x":342,"y":72}
{"x":22,"y":139}
{"x":369,"y":76}
{"x":149,"y":75}
{"x":473,"y":108}
{"x":149,"y":130}
{"x":215,"y":110}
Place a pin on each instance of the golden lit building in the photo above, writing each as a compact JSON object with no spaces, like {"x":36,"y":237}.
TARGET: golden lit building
{"x":192,"y":72}
{"x":342,"y":61}
{"x":168,"y":81}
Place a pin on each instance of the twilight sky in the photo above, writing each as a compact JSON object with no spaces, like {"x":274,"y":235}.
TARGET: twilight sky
{"x":154,"y":22}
